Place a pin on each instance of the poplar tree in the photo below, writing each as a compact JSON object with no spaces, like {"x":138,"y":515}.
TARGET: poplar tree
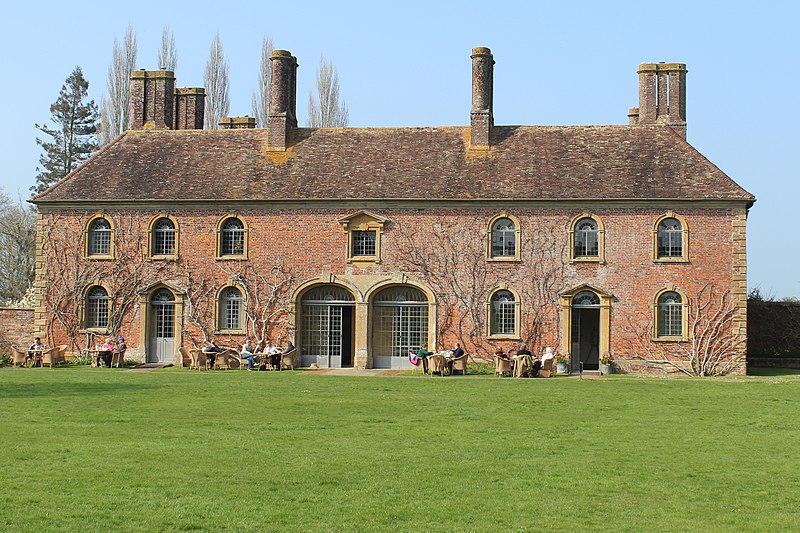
{"x":72,"y":139}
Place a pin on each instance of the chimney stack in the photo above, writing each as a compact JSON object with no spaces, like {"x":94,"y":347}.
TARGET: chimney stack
{"x":152,"y":99}
{"x":237,"y":123}
{"x":282,"y":116}
{"x":481,"y":117}
{"x":662,"y":95}
{"x":189,"y":108}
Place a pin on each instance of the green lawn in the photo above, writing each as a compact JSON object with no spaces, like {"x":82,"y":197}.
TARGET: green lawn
{"x":94,"y":450}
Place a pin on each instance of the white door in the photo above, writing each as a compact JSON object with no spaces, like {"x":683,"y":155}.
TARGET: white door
{"x":162,"y":320}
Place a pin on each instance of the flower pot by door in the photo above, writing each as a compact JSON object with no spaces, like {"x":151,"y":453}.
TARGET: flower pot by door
{"x":561,"y":368}
{"x":606,"y":369}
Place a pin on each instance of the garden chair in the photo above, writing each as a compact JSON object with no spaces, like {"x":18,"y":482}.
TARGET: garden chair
{"x":288,"y":360}
{"x":547,"y":369}
{"x":436,"y":364}
{"x":19,"y":356}
{"x":186,"y":356}
{"x":502,"y":366}
{"x":50,"y":357}
{"x":225,"y":357}
{"x":118,"y":358}
{"x":62,"y":353}
{"x":460,"y":365}
{"x":200,"y":358}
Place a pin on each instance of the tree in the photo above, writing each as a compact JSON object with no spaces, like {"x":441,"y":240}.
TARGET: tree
{"x":114,"y":106}
{"x":262,"y":96}
{"x":168,"y":53}
{"x":73,"y":139}
{"x":17,"y":249}
{"x":326,"y":111}
{"x":216,"y":81}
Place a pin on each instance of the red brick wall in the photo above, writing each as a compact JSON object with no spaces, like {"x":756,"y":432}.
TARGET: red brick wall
{"x":16,"y":327}
{"x":311,"y":242}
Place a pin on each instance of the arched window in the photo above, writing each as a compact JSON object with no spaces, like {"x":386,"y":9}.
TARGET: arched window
{"x":503,"y":314}
{"x":670,"y":315}
{"x":164,"y":237}
{"x":232,"y":237}
{"x":670,"y":238}
{"x":504,"y":238}
{"x":586,"y":241}
{"x":97,"y":308}
{"x":230,"y":309}
{"x":99,"y":237}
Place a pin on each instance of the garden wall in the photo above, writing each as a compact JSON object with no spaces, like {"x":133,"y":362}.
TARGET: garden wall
{"x":773,"y":334}
{"x":16,"y":327}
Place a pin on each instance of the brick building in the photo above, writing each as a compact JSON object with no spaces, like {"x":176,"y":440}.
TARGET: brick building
{"x":363,"y":243}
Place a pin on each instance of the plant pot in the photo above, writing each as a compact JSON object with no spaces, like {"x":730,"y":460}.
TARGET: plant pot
{"x":606,"y":369}
{"x":561,"y":368}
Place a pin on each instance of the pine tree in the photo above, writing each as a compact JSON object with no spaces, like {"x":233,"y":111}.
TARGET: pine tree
{"x":73,"y":138}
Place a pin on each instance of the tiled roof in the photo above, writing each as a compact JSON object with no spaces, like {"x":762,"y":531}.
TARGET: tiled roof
{"x":525,"y":162}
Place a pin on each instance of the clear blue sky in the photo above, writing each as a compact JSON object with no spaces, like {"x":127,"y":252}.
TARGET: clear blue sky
{"x":407,"y":63}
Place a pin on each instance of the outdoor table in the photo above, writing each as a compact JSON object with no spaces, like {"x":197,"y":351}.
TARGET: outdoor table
{"x":96,"y":354}
{"x":36,"y":357}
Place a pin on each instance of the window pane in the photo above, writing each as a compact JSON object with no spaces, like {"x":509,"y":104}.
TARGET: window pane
{"x":97,"y":308}
{"x":364,"y":243}
{"x":503,"y":318}
{"x":504,"y":238}
{"x":586,"y":243}
{"x":670,"y":238}
{"x":231,"y":309}
{"x":232,"y":237}
{"x":164,"y":237}
{"x":670,"y":315}
{"x":100,"y":237}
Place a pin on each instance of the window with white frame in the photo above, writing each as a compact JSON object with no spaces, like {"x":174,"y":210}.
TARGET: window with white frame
{"x":503,"y":319}
{"x":586,"y":243}
{"x":670,"y":315}
{"x":504,"y":238}
{"x":364,"y":243}
{"x":230,"y":309}
{"x":164,"y":237}
{"x":232,"y":237}
{"x":670,"y":238}
{"x":99,"y":237}
{"x":97,"y":304}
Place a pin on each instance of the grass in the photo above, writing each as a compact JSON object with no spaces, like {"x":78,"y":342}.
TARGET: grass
{"x":88,"y":449}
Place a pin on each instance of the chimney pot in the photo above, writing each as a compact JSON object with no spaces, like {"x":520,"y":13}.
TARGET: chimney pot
{"x":481,"y":116}
{"x":282,"y":118}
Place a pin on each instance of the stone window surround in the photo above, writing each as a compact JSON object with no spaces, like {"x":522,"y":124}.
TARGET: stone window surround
{"x":684,"y":257}
{"x":220,"y":222}
{"x":490,"y":234}
{"x":218,"y":311}
{"x":684,"y":317}
{"x":489,"y":310}
{"x":363,"y":221}
{"x":83,"y":307}
{"x":151,"y":237}
{"x":601,"y":239}
{"x":87,"y":237}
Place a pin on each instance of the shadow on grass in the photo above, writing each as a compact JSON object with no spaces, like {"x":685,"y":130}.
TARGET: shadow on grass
{"x":28,"y":390}
{"x":773,"y":372}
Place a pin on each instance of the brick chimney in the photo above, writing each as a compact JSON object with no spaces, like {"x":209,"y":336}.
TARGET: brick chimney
{"x":662,"y":96}
{"x":481,"y":118}
{"x":152,"y":99}
{"x":282,"y":116}
{"x":189,"y":108}
{"x":237,"y":123}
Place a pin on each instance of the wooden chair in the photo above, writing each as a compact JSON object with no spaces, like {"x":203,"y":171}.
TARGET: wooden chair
{"x":436,"y":364}
{"x":50,"y":357}
{"x":186,"y":355}
{"x":502,"y":366}
{"x":460,"y":365}
{"x":20,"y":356}
{"x":225,"y":357}
{"x":200,"y":358}
{"x":547,"y":369}
{"x":118,"y":358}
{"x":288,"y":359}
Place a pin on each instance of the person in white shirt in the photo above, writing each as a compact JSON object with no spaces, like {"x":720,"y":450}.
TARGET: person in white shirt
{"x":274,"y":354}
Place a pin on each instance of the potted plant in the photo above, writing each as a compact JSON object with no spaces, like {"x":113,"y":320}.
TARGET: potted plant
{"x":606,"y":364}
{"x":562,"y":364}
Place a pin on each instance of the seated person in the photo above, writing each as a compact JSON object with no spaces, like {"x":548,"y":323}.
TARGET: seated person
{"x":289,"y":348}
{"x":523,"y":350}
{"x":34,"y":355}
{"x":548,"y":354}
{"x":423,"y":354}
{"x":455,"y":353}
{"x":274,"y":354}
{"x":105,"y":354}
{"x":247,"y":353}
{"x":499,"y":352}
{"x":211,"y":350}
{"x":119,"y":347}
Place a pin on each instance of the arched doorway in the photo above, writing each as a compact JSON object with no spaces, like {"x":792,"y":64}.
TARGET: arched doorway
{"x":162,"y":327}
{"x":585,"y":331}
{"x":399,"y":324}
{"x":326,"y":327}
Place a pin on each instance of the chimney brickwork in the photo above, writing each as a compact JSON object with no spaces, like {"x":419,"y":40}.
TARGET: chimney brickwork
{"x":662,"y":96}
{"x":237,"y":123}
{"x":152,"y":99}
{"x":481,"y":116}
{"x":282,"y":118}
{"x":189,"y":108}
